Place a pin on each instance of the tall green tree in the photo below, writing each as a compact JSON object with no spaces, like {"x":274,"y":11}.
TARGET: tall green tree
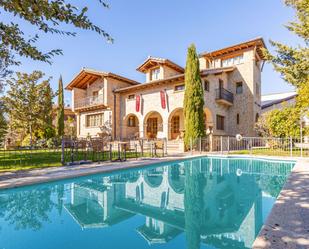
{"x":193,"y":99}
{"x":47,"y":109}
{"x":60,"y":112}
{"x":23,"y":101}
{"x":292,"y":62}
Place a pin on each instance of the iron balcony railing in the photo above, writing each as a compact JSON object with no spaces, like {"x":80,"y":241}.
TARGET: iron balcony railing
{"x":224,"y":94}
{"x":89,"y":101}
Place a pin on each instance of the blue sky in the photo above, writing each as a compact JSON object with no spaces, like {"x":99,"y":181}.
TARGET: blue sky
{"x":165,"y":29}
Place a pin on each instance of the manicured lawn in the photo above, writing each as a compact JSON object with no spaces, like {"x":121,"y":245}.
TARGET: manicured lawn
{"x":13,"y":160}
{"x":273,"y":152}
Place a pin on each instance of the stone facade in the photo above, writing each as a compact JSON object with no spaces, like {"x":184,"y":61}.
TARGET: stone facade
{"x":232,"y":88}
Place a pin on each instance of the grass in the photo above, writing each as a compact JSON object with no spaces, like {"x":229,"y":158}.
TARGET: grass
{"x":272,"y":152}
{"x":14,"y":160}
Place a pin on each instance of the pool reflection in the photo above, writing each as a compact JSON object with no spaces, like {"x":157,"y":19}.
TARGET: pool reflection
{"x":216,"y":202}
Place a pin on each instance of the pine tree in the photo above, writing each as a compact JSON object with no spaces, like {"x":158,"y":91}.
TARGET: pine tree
{"x":60,"y":113}
{"x":293,"y":65}
{"x":193,"y":99}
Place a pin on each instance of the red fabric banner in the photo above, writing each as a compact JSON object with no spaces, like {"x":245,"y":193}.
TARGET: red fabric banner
{"x":163,"y":99}
{"x":138,"y":103}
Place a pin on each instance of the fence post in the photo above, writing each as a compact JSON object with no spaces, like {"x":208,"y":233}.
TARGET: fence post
{"x":165,"y":145}
{"x":72,"y":151}
{"x":62,"y":151}
{"x":191,"y":146}
{"x":200,"y":141}
{"x":291,"y":147}
{"x":221,"y":144}
{"x":110,"y":152}
{"x":142,"y":147}
{"x":135,"y":145}
{"x":228,"y":144}
{"x":250,"y":144}
{"x":125,"y":152}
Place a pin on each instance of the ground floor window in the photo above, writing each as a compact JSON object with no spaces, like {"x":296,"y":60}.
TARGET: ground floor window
{"x":220,"y":122}
{"x":94,"y":120}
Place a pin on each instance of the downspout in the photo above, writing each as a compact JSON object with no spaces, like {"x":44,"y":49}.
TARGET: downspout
{"x":114,"y":115}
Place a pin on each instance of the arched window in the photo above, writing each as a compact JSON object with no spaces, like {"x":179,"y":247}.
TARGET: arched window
{"x":237,"y":119}
{"x":257,"y":116}
{"x":132,"y":121}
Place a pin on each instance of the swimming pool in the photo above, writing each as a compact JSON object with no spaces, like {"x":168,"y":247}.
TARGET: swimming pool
{"x":207,"y":202}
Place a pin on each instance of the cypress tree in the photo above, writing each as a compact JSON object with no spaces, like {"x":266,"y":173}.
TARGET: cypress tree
{"x":193,"y":99}
{"x":60,"y":113}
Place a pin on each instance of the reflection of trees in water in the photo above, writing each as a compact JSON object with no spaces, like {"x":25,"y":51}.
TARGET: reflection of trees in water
{"x":272,"y":184}
{"x":27,"y":209}
{"x":59,"y":189}
{"x":193,"y":200}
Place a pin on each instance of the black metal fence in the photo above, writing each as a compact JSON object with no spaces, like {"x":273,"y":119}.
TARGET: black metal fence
{"x":79,"y":151}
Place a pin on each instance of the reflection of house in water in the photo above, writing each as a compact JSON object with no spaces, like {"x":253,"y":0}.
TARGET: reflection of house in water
{"x":231,"y":213}
{"x":92,"y":202}
{"x":232,"y":207}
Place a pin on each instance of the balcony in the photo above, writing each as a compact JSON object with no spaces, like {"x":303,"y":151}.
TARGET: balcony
{"x":224,"y":97}
{"x":89,"y":103}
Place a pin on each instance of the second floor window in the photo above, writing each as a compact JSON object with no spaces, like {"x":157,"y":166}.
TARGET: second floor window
{"x":179,"y":88}
{"x":220,"y":122}
{"x":155,"y":73}
{"x":206,"y":85}
{"x":233,"y":61}
{"x":132,"y":121}
{"x":95,"y":94}
{"x":94,"y":120}
{"x":239,"y":88}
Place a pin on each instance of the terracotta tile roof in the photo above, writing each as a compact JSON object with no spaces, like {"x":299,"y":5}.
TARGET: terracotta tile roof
{"x":175,"y":78}
{"x":88,"y":76}
{"x":154,"y":61}
{"x":257,"y":42}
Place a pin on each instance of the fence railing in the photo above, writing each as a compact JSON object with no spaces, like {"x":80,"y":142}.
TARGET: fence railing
{"x":79,"y":151}
{"x":89,"y":101}
{"x":291,"y":147}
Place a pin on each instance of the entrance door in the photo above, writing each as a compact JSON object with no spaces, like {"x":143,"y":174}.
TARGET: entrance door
{"x":175,"y":123}
{"x":152,"y":127}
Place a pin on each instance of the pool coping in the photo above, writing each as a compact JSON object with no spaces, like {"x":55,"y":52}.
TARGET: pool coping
{"x":287,"y":226}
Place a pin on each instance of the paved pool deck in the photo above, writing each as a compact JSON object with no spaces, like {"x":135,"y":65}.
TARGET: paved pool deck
{"x":287,"y":226}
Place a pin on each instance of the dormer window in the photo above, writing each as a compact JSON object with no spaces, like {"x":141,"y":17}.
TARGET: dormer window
{"x":155,"y":73}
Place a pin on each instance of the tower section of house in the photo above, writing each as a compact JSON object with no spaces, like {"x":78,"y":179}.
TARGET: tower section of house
{"x":238,"y":93}
{"x":94,"y":102}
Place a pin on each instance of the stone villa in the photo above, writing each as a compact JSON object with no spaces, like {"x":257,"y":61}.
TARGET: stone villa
{"x":232,"y":88}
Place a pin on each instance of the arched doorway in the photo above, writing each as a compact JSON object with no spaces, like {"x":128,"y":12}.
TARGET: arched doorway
{"x":131,"y":127}
{"x":176,"y":124}
{"x":153,"y":124}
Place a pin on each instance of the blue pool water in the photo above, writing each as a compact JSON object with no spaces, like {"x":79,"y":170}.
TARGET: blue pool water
{"x":201,"y":203}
